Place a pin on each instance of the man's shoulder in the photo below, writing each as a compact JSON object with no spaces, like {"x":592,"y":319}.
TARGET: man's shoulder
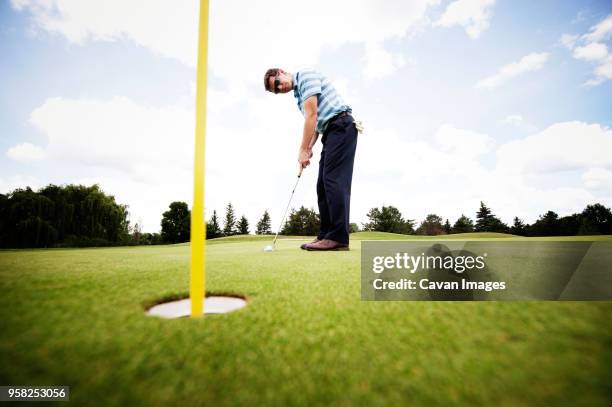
{"x":306,"y":74}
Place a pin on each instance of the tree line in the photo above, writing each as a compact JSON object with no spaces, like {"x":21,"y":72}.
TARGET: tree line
{"x":71,"y":215}
{"x":175,"y":224}
{"x":595,"y":219}
{"x":77,"y":215}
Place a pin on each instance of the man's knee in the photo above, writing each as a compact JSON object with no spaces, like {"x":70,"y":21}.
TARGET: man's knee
{"x":321,"y":187}
{"x":330,"y":182}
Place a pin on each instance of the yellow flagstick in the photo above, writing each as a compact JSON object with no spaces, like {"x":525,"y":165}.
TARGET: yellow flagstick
{"x":198,"y":228}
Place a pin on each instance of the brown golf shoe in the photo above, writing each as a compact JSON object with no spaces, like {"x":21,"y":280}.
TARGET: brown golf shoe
{"x":303,"y":247}
{"x":326,"y":244}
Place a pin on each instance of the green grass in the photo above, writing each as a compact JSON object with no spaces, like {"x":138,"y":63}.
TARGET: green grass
{"x":397,"y":236}
{"x":254,"y":238}
{"x":76,"y":317}
{"x":474,"y":236}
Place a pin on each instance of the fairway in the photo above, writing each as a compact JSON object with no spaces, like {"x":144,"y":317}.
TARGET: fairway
{"x":76,"y":317}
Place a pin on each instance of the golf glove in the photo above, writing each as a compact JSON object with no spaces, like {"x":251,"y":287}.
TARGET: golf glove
{"x":359,"y":125}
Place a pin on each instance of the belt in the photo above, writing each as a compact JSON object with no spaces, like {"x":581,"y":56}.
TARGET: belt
{"x":339,"y":115}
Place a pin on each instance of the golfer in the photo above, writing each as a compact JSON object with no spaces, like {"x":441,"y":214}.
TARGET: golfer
{"x":324,"y":113}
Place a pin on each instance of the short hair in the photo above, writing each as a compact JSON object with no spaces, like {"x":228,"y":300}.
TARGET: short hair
{"x":270,"y":73}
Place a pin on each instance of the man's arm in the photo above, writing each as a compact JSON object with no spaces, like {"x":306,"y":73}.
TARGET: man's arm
{"x":310,"y":136}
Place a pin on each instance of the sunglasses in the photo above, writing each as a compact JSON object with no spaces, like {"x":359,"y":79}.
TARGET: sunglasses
{"x":276,"y":83}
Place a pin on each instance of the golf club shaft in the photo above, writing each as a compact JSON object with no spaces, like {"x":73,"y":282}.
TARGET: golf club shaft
{"x":286,"y":209}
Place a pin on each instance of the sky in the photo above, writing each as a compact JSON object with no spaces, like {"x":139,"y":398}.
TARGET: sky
{"x":506,"y":102}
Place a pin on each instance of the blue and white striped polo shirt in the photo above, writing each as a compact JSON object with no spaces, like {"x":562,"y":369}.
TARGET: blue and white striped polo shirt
{"x":307,"y":83}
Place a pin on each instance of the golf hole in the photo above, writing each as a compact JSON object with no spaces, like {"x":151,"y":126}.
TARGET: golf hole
{"x":214,"y":304}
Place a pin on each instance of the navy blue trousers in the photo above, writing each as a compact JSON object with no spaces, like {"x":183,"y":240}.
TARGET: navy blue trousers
{"x":335,"y":178}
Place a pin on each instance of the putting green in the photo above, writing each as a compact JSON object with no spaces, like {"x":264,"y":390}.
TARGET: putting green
{"x":76,"y":317}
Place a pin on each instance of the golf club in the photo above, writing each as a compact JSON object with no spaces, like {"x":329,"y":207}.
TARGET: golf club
{"x":271,"y":247}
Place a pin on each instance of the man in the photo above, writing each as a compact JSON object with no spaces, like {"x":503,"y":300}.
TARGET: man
{"x":324,"y":113}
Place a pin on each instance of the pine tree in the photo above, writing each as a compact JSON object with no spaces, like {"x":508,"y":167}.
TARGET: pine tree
{"x":487,"y":222}
{"x":447,"y":227}
{"x":213,"y":229}
{"x":483,"y":218}
{"x":263,"y":226}
{"x":229,"y":228}
{"x":243,"y":226}
{"x":463,"y":225}
{"x":518,"y":228}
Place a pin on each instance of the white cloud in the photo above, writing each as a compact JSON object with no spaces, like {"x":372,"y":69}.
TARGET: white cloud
{"x":379,"y":62}
{"x":143,"y":156}
{"x":286,"y":42}
{"x":560,"y":147}
{"x":169,"y":28}
{"x":117,"y":133}
{"x":25,"y":152}
{"x":473,"y":15}
{"x":603,"y":72}
{"x":568,"y":40}
{"x":518,"y":121}
{"x":513,"y":119}
{"x":594,"y":51}
{"x":600,"y":31}
{"x":448,"y":176}
{"x":250,"y":148}
{"x":419,"y":177}
{"x":466,"y":143}
{"x":598,"y":178}
{"x":140,"y":154}
{"x":529,"y":63}
{"x":13,"y":182}
{"x":605,"y":69}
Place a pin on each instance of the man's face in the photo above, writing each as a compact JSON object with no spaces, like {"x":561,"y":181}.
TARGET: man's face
{"x":281,"y":83}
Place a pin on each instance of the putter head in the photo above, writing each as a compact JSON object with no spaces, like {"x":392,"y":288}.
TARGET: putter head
{"x":268,"y":248}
